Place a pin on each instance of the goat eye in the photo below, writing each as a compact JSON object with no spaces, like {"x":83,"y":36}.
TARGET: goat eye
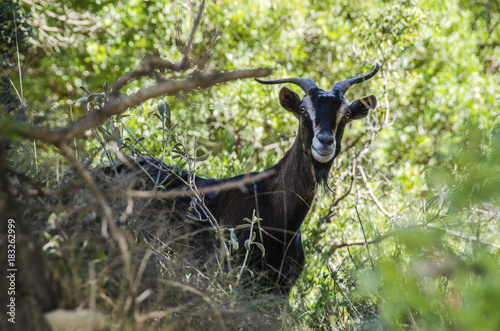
{"x":347,"y":115}
{"x":302,"y":110}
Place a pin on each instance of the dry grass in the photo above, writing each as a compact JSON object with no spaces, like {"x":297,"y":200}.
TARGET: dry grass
{"x":180,"y":280}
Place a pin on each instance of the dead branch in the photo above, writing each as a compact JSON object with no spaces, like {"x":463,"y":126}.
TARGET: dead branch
{"x":359,"y":242}
{"x":118,"y":106}
{"x":148,"y":66}
{"x":202,"y":295}
{"x":394,"y":234}
{"x":364,"y":236}
{"x":349,"y":243}
{"x":152,"y":63}
{"x":372,"y":195}
{"x":179,"y":193}
{"x":158,"y":314}
{"x":196,"y":23}
{"x":463,"y":236}
{"x":107,"y":213}
{"x":346,"y":193}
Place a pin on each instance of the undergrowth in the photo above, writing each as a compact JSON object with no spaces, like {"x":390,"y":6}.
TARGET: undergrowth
{"x":180,"y":281}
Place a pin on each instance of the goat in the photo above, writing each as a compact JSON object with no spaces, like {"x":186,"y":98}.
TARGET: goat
{"x":283,"y":199}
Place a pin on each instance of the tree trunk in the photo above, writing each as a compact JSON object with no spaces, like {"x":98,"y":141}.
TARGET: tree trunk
{"x":25,"y":292}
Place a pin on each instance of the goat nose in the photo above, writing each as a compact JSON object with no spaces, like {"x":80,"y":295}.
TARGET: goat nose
{"x":326,"y":138}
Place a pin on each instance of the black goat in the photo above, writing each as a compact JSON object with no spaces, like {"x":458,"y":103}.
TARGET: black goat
{"x":283,"y":199}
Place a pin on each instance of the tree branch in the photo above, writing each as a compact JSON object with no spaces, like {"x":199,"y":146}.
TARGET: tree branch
{"x":178,"y":193}
{"x":118,"y":106}
{"x":355,"y":242}
{"x":196,"y":22}
{"x":463,"y":236}
{"x":372,"y":195}
{"x":107,"y":213}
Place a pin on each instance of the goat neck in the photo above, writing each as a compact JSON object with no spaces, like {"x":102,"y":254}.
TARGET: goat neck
{"x":294,"y":184}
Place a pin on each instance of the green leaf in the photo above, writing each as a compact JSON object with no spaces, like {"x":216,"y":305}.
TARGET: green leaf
{"x":203,"y":157}
{"x":261,"y":247}
{"x":232,"y":235}
{"x":103,"y":154}
{"x":180,"y":167}
{"x":242,"y":226}
{"x":82,"y":99}
{"x":234,"y":241}
{"x":85,"y":91}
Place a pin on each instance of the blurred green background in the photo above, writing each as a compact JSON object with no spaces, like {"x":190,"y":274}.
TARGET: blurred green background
{"x":422,"y":171}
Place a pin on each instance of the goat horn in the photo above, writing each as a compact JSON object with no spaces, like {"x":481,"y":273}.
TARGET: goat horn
{"x":344,"y":85}
{"x":304,"y":83}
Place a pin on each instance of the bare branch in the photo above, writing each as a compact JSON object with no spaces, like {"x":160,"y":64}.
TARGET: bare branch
{"x":355,"y":242}
{"x":196,"y":22}
{"x":118,"y":106}
{"x":372,"y":195}
{"x":202,"y":295}
{"x":148,"y":66}
{"x":89,"y":181}
{"x":159,"y":314}
{"x":178,"y":193}
{"x":152,"y":63}
{"x":364,"y":236}
{"x":107,"y":213}
{"x":336,"y":202}
{"x":391,"y":234}
{"x":463,"y":236}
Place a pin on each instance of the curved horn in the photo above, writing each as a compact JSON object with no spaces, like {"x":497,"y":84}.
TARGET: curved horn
{"x":344,"y":85}
{"x":304,"y":83}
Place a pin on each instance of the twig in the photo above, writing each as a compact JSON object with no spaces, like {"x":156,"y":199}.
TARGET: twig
{"x":152,"y":63}
{"x":89,"y":181}
{"x":108,"y":220}
{"x":364,"y":236}
{"x":353,"y":307}
{"x":361,"y":242}
{"x":137,"y":141}
{"x":132,"y":300}
{"x":201,"y":295}
{"x":178,"y":193}
{"x":463,"y":236}
{"x":142,"y":318}
{"x":196,"y":22}
{"x":355,"y":242}
{"x":372,"y":195}
{"x":148,"y":66}
{"x":336,"y":202}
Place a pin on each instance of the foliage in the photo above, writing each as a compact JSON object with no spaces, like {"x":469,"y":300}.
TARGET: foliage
{"x":416,"y":192}
{"x":14,"y":32}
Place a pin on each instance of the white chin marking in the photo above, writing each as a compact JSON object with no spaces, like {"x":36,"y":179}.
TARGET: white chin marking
{"x":323,"y":158}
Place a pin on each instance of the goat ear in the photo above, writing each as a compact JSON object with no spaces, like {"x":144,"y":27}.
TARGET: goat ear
{"x":290,"y":100}
{"x":359,"y":107}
